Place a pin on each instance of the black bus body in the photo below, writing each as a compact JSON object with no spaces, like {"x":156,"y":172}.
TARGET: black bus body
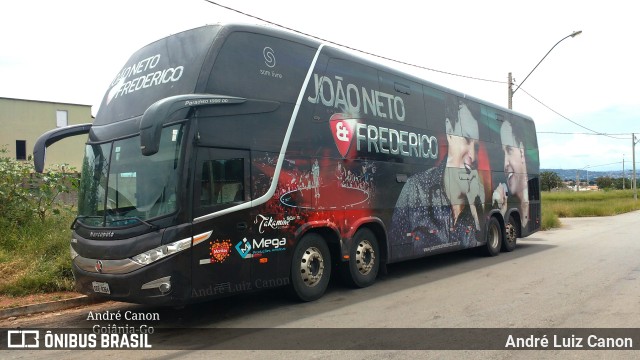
{"x":233,"y":158}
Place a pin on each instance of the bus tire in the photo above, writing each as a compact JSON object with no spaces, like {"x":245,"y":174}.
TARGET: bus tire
{"x":364,"y":260}
{"x":310,"y":268}
{"x":510,"y":235}
{"x":493,"y":237}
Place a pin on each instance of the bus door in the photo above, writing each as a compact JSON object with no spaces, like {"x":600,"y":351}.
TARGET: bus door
{"x":221,"y":182}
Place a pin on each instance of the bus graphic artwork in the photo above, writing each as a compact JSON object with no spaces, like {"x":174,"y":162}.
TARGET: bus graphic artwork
{"x":220,"y":250}
{"x":343,"y":128}
{"x":207,"y":172}
{"x":244,"y":249}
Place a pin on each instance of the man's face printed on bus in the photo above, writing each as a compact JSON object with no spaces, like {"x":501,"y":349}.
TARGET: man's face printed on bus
{"x":514,"y":163}
{"x":462,"y":137}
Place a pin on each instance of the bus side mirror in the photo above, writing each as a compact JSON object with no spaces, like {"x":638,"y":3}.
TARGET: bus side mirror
{"x":51,"y":137}
{"x":161,"y":112}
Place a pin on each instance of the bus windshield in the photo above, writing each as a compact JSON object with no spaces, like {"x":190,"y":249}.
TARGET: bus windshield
{"x":121,"y":187}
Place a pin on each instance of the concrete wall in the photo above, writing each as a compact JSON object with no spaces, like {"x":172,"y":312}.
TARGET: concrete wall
{"x":27,"y":119}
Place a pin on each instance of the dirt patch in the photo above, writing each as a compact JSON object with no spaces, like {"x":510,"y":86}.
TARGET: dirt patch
{"x":7,"y":302}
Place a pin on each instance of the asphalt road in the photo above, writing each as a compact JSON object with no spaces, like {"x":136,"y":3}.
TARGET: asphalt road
{"x":585,"y":275}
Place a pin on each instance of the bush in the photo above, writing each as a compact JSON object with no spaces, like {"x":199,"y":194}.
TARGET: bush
{"x":550,"y":219}
{"x":15,"y":199}
{"x":34,"y":229}
{"x":34,"y":258}
{"x":25,"y":193}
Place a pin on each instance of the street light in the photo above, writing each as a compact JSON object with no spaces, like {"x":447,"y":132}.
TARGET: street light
{"x":511,"y":92}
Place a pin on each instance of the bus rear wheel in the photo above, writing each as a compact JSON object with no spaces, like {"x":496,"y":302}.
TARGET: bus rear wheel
{"x":493,"y":237}
{"x":510,"y":235}
{"x":364,"y":260}
{"x":310,"y":268}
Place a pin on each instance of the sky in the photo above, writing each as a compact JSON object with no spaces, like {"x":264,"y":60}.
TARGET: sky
{"x":70,"y":51}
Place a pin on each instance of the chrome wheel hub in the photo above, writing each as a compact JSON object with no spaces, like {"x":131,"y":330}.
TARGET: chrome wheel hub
{"x":312,"y":266}
{"x":365,"y":257}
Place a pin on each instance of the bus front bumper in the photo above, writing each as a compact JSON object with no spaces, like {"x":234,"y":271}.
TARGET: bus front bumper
{"x":162,"y":283}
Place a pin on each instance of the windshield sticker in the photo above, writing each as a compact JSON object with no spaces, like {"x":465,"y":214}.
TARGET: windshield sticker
{"x":270,"y":62}
{"x":269,"y":57}
{"x":142,"y":75}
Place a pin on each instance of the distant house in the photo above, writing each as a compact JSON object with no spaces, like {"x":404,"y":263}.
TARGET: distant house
{"x":23,"y":121}
{"x":585,"y":187}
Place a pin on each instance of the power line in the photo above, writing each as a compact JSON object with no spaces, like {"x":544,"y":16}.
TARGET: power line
{"x":352,"y":48}
{"x":566,"y":118}
{"x":592,"y":166}
{"x":577,"y":133}
{"x":403,"y":62}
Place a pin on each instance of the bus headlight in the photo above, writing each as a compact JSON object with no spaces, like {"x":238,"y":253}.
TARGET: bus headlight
{"x":163,"y":251}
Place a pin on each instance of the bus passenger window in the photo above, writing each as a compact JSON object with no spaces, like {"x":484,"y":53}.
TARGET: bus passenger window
{"x":222,"y":182}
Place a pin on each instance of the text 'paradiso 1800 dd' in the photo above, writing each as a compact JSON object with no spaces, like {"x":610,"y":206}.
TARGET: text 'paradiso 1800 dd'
{"x":233,"y":158}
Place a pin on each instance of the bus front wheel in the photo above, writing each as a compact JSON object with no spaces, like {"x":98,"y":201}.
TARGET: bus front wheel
{"x":310,"y":268}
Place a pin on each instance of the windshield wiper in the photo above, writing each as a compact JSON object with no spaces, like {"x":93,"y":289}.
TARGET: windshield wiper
{"x":150,"y":225}
{"x":73,"y":224}
{"x":79,"y":217}
{"x":127,"y":220}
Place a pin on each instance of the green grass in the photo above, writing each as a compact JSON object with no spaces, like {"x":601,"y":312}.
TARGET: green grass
{"x":550,"y":219}
{"x":34,"y":257}
{"x":583,"y":204}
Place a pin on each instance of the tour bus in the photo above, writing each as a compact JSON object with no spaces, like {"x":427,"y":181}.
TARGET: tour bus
{"x":233,"y":158}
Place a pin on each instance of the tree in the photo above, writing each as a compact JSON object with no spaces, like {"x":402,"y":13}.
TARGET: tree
{"x":605,"y":182}
{"x":25,"y":194}
{"x":549,"y":180}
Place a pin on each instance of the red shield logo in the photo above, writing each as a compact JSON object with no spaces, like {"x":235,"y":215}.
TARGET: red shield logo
{"x":342,"y":130}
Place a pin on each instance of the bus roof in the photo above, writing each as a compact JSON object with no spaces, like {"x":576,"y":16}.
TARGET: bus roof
{"x":180,"y":64}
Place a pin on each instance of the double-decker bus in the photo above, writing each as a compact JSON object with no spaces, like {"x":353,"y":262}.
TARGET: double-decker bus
{"x":233,"y":158}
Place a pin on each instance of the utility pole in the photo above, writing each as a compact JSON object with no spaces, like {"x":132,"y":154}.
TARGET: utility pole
{"x":588,"y":188}
{"x":622,"y":171}
{"x":510,"y":90}
{"x":633,"y":178}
